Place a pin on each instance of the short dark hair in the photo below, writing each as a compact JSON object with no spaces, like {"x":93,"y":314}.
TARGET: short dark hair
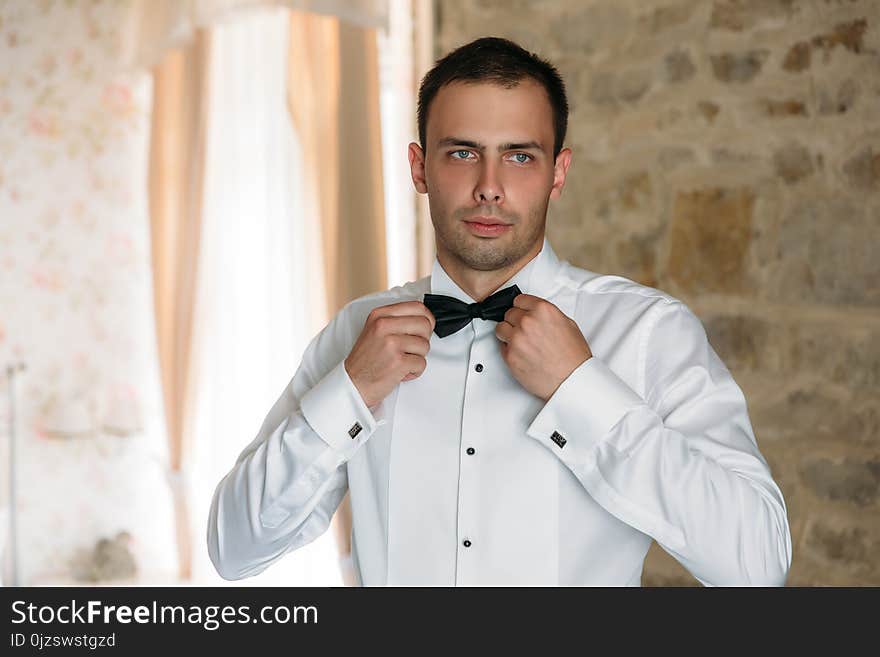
{"x":499,"y":61}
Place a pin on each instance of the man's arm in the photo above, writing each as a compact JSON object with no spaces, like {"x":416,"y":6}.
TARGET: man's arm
{"x":681,"y":465}
{"x":287,"y":483}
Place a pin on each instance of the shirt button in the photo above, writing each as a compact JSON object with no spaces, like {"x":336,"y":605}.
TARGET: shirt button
{"x":470,"y":451}
{"x":466,"y":543}
{"x":479,"y":367}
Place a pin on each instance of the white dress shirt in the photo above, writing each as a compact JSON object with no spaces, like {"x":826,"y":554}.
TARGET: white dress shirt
{"x":462,"y":477}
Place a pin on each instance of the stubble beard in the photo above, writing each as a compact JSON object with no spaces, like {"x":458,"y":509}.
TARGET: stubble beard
{"x":489,"y":254}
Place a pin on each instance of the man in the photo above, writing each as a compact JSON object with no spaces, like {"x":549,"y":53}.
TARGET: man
{"x":510,"y":419}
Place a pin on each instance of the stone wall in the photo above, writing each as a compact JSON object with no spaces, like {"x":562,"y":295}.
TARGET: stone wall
{"x":728,"y":153}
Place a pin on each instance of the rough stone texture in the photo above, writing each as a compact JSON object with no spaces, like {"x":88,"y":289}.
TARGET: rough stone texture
{"x":839,"y":354}
{"x":863,"y":170}
{"x":709,"y":235}
{"x":741,"y":341}
{"x":673,"y":156}
{"x":827,"y":252}
{"x":708,"y":109}
{"x":665,"y":16}
{"x":783,"y":108}
{"x":728,"y":152}
{"x":738,"y":15}
{"x":850,"y":481}
{"x":679,"y":66}
{"x":853,"y":549}
{"x":798,"y":57}
{"x":849,"y":35}
{"x":811,"y":414}
{"x":793,"y":163}
{"x":840,"y":102}
{"x":738,"y":67}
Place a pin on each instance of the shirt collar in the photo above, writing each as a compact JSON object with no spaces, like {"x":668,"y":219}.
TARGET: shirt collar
{"x":535,"y":278}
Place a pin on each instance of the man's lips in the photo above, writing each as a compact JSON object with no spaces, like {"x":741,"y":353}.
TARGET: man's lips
{"x":477,"y":227}
{"x":486,"y":221}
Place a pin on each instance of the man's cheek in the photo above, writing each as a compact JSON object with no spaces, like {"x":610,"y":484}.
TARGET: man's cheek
{"x":452,"y":180}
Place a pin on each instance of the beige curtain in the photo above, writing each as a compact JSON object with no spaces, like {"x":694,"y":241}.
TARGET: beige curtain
{"x":152,"y":27}
{"x":333,"y":97}
{"x":175,"y":188}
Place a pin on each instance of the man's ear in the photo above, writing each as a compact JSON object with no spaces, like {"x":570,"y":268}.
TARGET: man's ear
{"x":560,"y":169}
{"x":417,"y":168}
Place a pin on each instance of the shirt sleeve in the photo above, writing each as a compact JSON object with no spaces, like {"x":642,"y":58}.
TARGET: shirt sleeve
{"x":681,"y":465}
{"x":286,"y":484}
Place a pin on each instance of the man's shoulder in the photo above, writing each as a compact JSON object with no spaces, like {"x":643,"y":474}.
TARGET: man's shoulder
{"x":583,"y":281}
{"x":614,"y":289}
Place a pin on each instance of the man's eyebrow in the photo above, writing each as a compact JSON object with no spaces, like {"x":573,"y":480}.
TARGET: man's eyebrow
{"x":509,"y":146}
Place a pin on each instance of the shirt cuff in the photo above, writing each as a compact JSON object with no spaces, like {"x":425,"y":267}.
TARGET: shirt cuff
{"x":336,"y":411}
{"x":584,"y":408}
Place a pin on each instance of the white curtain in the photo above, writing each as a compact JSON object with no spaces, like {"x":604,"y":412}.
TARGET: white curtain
{"x":261,"y":294}
{"x":397,"y":101}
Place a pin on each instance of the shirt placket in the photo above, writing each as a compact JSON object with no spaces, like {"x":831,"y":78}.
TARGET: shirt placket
{"x":473,"y":422}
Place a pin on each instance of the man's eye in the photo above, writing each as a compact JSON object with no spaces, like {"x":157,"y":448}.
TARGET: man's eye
{"x":525,"y":158}
{"x":463,"y":154}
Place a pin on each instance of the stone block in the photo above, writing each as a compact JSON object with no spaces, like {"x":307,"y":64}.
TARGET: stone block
{"x":679,"y":67}
{"x":826,"y":252}
{"x":708,"y":110}
{"x":842,"y":101}
{"x":862,"y":170}
{"x":636,"y":259}
{"x":798,"y":57}
{"x":793,"y":163}
{"x":634,"y":191}
{"x":838,"y":354}
{"x":848,"y":481}
{"x":739,"y":15}
{"x":728,"y":156}
{"x":783,"y":108}
{"x":665,"y":17}
{"x":738,"y":67}
{"x":602,"y":89}
{"x":849,"y":35}
{"x":631,"y":85}
{"x":615,"y":89}
{"x":591,"y":28}
{"x":815,"y":414}
{"x":853,"y":548}
{"x":740,"y":340}
{"x":672,"y":157}
{"x":709,"y":238}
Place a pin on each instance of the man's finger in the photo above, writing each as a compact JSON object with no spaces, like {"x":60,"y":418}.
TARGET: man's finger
{"x":408,"y":325}
{"x":503,"y":331}
{"x":514,"y":316}
{"x":405,"y":308}
{"x":528,"y":301}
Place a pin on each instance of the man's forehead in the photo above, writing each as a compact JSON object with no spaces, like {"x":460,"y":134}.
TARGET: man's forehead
{"x":490,"y":113}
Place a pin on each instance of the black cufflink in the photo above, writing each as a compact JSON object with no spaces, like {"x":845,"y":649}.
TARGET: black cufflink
{"x":558,"y":439}
{"x":355,"y":429}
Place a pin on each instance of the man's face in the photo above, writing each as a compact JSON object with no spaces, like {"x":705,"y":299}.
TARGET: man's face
{"x":489,"y":159}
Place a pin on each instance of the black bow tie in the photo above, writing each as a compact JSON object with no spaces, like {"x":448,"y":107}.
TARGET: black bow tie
{"x":453,"y":314}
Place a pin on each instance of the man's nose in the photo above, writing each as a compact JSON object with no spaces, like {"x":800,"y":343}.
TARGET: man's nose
{"x":488,"y":188}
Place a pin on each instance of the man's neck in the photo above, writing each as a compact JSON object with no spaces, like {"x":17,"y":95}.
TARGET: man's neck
{"x":478,"y":284}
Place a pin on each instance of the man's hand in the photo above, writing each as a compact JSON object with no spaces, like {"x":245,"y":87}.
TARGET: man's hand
{"x":541,"y":345}
{"x":391,"y":348}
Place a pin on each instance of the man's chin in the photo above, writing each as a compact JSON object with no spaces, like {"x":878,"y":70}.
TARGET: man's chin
{"x":492,"y":256}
